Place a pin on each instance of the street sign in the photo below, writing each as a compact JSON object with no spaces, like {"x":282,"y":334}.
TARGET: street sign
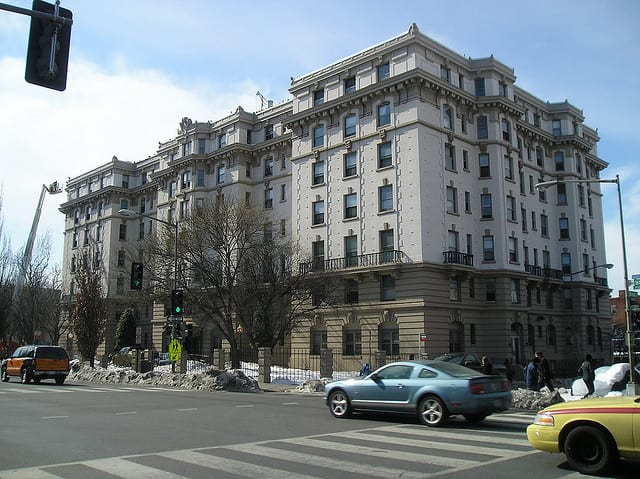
{"x":175,"y":351}
{"x":423,"y":336}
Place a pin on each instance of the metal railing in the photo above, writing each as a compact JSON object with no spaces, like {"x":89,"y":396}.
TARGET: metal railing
{"x":456,"y":257}
{"x":356,"y":261}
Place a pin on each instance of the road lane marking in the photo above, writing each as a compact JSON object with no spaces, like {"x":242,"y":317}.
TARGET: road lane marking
{"x":247,"y":405}
{"x":125,"y":413}
{"x":188,"y":409}
{"x":54,"y":417}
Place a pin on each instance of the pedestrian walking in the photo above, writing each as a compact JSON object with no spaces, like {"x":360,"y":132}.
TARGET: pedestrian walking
{"x":588,"y":376}
{"x":532,"y":375}
{"x":545,"y":371}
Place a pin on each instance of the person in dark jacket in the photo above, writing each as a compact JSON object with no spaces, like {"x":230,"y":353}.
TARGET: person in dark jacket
{"x":545,"y":371}
{"x":532,"y":375}
{"x":588,"y":375}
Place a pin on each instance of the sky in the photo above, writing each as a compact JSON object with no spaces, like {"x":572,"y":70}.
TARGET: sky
{"x":137,"y":67}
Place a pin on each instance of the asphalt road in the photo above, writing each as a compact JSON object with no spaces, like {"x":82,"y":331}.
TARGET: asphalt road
{"x":84,"y":430}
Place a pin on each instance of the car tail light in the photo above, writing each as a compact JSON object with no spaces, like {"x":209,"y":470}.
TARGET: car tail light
{"x":477,"y":388}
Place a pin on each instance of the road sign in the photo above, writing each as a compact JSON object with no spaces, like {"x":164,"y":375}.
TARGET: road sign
{"x":423,"y":336}
{"x":175,"y":351}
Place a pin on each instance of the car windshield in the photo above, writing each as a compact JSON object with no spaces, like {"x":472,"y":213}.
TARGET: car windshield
{"x":454,"y":370}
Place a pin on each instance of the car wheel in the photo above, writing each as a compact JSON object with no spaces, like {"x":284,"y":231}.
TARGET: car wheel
{"x":474,"y":417}
{"x":432,"y":411}
{"x":589,"y":450}
{"x":339,"y":404}
{"x":25,"y":377}
{"x":60,"y":380}
{"x":4,"y":376}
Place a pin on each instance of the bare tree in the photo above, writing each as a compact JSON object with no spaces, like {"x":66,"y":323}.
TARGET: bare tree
{"x":90,"y":311}
{"x":240,"y":277}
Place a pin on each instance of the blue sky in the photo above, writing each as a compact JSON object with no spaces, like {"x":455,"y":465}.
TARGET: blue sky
{"x":137,"y":67}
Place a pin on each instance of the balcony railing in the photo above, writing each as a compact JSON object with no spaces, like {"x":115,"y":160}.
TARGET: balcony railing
{"x":543,"y":272}
{"x":455,"y":257}
{"x":358,"y":261}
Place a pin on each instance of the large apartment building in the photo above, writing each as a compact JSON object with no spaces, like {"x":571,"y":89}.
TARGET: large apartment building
{"x":409,"y":171}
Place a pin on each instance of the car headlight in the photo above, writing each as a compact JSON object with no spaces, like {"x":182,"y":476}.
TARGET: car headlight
{"x":543,"y":419}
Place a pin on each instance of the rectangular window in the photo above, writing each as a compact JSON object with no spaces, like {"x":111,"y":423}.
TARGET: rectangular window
{"x":455,"y":290}
{"x":318,"y":341}
{"x":565,"y":258}
{"x":479,"y":86}
{"x":382,"y":72}
{"x":186,"y":180}
{"x":536,"y":120}
{"x":349,"y":85}
{"x":268,"y":167}
{"x":249,"y":137}
{"x":513,"y":250}
{"x":558,"y":157}
{"x":384,"y":114}
{"x":385,"y":198}
{"x":283,"y":192}
{"x":317,"y":250}
{"x":202,"y":146}
{"x":318,"y":97}
{"x":318,"y":212}
{"x":450,"y":156}
{"x":445,"y":73}
{"x":387,"y":288}
{"x":350,"y":166}
{"x":186,"y":149}
{"x":350,"y":205}
{"x":490,"y":285}
{"x":506,"y":130}
{"x":352,"y":342}
{"x":465,"y":160}
{"x":350,"y":291}
{"x":220,"y":174}
{"x":488,"y":253}
{"x":502,"y":89}
{"x":222,"y":140}
{"x":384,"y":155}
{"x":486,"y":207}
{"x":268,"y":198}
{"x":540,"y":157}
{"x":563,"y":224}
{"x":350,"y":125}
{"x":387,"y":246}
{"x":511,"y":208}
{"x":318,"y":173}
{"x":482,"y":127}
{"x":124,"y":203}
{"x":452,"y":200}
{"x":581,"y":195}
{"x":544,"y":225}
{"x":453,"y":240}
{"x":447,"y":117}
{"x":122,"y":235}
{"x":561,"y":191}
{"x":515,"y":291}
{"x":508,"y":167}
{"x":268,"y":132}
{"x":318,"y":136}
{"x":200,"y":178}
{"x":485,"y":165}
{"x":556,"y":127}
{"x":173,"y":189}
{"x":125,"y":181}
{"x":351,"y":250}
{"x":467,"y":201}
{"x":523,"y":214}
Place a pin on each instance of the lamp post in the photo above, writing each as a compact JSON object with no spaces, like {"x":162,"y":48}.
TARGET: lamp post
{"x":131,"y":213}
{"x":574,"y":317}
{"x":632,"y":387}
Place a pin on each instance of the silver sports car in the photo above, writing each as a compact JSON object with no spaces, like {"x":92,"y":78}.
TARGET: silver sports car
{"x":434,"y":390}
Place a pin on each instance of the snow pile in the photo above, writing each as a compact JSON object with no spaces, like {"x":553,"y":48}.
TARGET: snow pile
{"x":209,"y":380}
{"x":535,"y":400}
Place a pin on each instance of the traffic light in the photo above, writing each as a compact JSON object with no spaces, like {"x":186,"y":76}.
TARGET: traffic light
{"x":48,"y":49}
{"x":176,"y":302}
{"x":136,"y":275}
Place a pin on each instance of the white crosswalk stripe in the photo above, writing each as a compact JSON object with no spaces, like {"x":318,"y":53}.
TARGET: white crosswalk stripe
{"x":376,"y":452}
{"x":40,"y":389}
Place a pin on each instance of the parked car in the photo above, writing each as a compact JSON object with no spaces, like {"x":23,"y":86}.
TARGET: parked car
{"x":470,"y":360}
{"x":434,"y":390}
{"x":36,"y":362}
{"x":593,"y":433}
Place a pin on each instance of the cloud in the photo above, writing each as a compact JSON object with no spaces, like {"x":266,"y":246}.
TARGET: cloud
{"x":105,"y":111}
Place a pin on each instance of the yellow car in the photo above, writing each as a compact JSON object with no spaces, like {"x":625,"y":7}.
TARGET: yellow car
{"x":593,"y":433}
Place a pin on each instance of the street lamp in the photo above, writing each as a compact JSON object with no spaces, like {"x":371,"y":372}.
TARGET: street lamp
{"x":577,"y":338}
{"x":632,"y":388}
{"x":131,"y":213}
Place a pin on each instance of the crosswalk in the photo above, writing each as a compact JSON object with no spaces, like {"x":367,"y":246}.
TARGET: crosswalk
{"x":400,"y":450}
